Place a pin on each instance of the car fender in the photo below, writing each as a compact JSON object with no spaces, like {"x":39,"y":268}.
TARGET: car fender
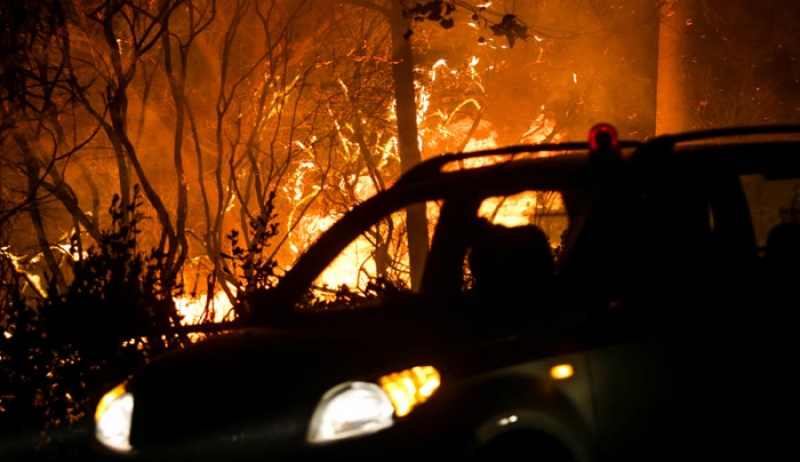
{"x":525,"y":398}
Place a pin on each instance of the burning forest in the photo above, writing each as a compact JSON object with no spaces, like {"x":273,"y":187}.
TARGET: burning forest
{"x":160,"y":160}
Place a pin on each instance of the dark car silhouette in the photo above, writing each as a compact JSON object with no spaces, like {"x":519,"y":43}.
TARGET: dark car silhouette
{"x":580,"y":302}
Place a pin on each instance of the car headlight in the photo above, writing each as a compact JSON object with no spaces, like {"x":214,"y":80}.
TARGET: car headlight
{"x":360,"y":408}
{"x":113,"y":419}
{"x":350,"y":409}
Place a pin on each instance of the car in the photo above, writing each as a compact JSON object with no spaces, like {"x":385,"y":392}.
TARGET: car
{"x":609,"y":300}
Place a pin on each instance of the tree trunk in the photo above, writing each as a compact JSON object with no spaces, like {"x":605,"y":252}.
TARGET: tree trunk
{"x":672,"y":113}
{"x":407,"y":137}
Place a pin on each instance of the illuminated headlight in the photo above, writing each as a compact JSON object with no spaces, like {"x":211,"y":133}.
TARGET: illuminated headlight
{"x":113,"y":419}
{"x":350,"y":409}
{"x":360,"y":408}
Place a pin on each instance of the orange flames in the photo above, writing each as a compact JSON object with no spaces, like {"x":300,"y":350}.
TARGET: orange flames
{"x":438,"y":131}
{"x":198,"y":309}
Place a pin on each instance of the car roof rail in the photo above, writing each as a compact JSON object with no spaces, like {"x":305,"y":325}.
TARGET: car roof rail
{"x":433,"y":167}
{"x":670,"y":140}
{"x":731,"y":139}
{"x":663,"y":143}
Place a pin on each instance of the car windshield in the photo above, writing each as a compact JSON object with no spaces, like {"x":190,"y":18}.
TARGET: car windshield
{"x":379,"y":252}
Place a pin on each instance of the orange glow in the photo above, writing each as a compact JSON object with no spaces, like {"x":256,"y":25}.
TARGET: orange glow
{"x":307,"y":230}
{"x":356,"y":264}
{"x":543,"y":130}
{"x":107,"y":399}
{"x":562,"y":371}
{"x":348,"y":268}
{"x":544,"y":209}
{"x":439,"y":131}
{"x":410,"y":387}
{"x":194,"y":311}
{"x":275,"y":110}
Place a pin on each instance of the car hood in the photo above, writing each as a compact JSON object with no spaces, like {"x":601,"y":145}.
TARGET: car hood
{"x":264,"y":383}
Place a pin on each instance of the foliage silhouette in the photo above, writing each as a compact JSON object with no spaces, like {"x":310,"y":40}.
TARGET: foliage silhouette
{"x":251,"y":266}
{"x":441,"y":11}
{"x":59,"y":354}
{"x":378,"y":290}
{"x":117,"y":293}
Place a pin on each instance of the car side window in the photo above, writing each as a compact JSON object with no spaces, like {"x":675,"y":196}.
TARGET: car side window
{"x":775,"y":212}
{"x":514,"y":246}
{"x":543,"y":209}
{"x":771,"y":203}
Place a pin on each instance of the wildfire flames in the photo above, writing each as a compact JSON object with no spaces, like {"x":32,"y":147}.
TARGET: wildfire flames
{"x":356,"y":264}
{"x":199,"y":309}
{"x":307,"y":220}
{"x":238,"y":121}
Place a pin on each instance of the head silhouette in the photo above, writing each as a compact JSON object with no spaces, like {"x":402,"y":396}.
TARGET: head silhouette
{"x":509,"y":260}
